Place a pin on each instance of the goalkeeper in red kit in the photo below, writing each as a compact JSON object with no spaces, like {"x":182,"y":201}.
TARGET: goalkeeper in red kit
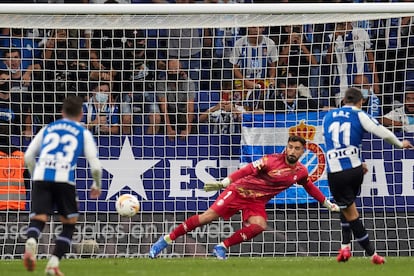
{"x":249,"y":189}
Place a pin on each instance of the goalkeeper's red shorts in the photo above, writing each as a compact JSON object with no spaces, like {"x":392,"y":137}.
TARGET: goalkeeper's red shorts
{"x":230,"y":202}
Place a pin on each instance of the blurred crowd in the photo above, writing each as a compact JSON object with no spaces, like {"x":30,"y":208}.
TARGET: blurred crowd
{"x":179,"y":82}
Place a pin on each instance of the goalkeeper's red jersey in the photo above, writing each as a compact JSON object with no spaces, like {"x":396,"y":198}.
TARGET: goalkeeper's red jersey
{"x":271,"y":176}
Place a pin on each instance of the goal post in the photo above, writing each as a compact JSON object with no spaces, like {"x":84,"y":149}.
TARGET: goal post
{"x":90,"y":49}
{"x":113,"y":16}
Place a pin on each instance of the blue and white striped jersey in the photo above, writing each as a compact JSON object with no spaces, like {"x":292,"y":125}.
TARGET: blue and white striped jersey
{"x":254,"y":60}
{"x":343,"y":129}
{"x":58,"y":146}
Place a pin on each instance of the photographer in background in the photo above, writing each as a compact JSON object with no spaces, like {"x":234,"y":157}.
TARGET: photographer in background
{"x":176,"y":96}
{"x":296,"y":56}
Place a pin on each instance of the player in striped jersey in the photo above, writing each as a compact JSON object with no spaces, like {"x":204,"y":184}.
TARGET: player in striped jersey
{"x":58,"y":146}
{"x":343,"y":129}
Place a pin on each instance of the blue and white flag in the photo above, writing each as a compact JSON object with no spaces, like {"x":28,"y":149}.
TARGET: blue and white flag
{"x":268,"y":133}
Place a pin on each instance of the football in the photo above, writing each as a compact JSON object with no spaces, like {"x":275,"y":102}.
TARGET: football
{"x":127,"y":205}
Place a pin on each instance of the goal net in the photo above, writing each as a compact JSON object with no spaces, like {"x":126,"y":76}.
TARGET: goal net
{"x":179,"y":95}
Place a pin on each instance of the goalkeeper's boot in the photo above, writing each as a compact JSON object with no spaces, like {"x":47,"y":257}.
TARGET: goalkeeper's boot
{"x":157,"y":247}
{"x":220,"y":252}
{"x":52,"y":267}
{"x":377,"y":259}
{"x":344,"y":254}
{"x":29,"y":257}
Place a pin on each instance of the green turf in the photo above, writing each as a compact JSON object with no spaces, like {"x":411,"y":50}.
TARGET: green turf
{"x":280,"y":266}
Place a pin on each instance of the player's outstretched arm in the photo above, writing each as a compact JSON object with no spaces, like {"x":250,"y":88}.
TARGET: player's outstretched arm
{"x":240,"y":173}
{"x":319,"y":196}
{"x":218,"y":185}
{"x":379,"y":130}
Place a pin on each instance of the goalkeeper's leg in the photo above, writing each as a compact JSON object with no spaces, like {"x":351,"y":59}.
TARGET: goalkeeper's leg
{"x":255,"y":226}
{"x":187,"y":226}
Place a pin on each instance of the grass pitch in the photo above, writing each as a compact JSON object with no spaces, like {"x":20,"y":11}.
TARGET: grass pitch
{"x":281,"y":266}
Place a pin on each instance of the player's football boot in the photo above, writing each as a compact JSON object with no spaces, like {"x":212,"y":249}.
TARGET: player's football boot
{"x":157,"y":247}
{"x":344,"y":254}
{"x":377,"y":259}
{"x":29,"y":257}
{"x":53,"y":271}
{"x":220,"y":252}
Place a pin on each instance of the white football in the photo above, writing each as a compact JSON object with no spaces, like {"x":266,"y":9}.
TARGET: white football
{"x":127,"y":205}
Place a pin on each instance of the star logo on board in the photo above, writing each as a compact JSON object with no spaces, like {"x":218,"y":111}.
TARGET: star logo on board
{"x":127,"y":171}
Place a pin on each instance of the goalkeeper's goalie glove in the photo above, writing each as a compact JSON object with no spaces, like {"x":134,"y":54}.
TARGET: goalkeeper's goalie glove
{"x":331,"y":206}
{"x":215,"y":186}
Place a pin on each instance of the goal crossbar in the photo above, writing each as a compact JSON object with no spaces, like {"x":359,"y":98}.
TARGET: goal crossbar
{"x":149,"y":16}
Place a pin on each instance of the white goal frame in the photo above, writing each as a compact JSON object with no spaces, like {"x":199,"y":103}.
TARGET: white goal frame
{"x":139,"y":232}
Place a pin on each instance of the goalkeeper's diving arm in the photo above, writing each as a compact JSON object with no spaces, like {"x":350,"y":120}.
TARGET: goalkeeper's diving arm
{"x":240,"y":173}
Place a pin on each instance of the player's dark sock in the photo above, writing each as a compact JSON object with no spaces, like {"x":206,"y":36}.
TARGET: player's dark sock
{"x":189,"y":225}
{"x":35,"y":228}
{"x":346,"y":230}
{"x":64,"y":240}
{"x":361,"y":236}
{"x":243,"y":234}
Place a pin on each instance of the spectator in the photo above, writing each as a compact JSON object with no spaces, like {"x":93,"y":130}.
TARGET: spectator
{"x":392,"y":48}
{"x":254,"y":58}
{"x":351,"y":52}
{"x":30,"y":52}
{"x":11,"y":122}
{"x":296,"y":57}
{"x":402,"y":118}
{"x":218,"y":43}
{"x":107,"y":53}
{"x":371,"y":103}
{"x":12,"y":185}
{"x":225,"y":116}
{"x":139,"y":92}
{"x":63,"y":70}
{"x":16,"y":82}
{"x":12,"y":62}
{"x":176,"y":95}
{"x":100,"y":113}
{"x":184,"y":44}
{"x":290,"y":99}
